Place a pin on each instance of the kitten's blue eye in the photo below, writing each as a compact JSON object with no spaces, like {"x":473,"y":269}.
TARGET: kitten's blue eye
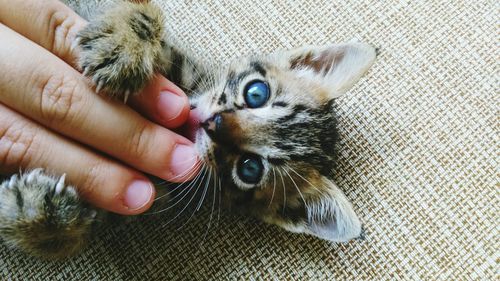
{"x":256,"y":93}
{"x":250,"y":168}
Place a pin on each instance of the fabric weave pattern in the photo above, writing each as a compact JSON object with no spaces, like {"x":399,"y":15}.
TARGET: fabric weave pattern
{"x":419,"y":152}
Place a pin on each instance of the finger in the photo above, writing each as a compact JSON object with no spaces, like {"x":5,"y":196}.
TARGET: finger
{"x":49,"y":23}
{"x":54,"y":26}
{"x":102,"y":182}
{"x":47,"y":90}
{"x":163,"y":102}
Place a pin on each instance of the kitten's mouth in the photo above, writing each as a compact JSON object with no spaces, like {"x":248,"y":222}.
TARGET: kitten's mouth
{"x":192,"y":125}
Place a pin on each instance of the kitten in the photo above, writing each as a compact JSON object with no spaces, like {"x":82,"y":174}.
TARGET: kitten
{"x":263,"y":125}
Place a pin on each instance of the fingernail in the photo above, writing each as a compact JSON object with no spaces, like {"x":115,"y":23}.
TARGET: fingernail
{"x":169,"y":105}
{"x":138,"y":194}
{"x":183,"y":161}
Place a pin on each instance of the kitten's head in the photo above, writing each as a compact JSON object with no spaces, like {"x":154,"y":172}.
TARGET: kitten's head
{"x":268,"y":130}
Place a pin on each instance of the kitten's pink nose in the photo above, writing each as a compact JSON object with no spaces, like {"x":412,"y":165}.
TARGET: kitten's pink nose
{"x":223,"y":128}
{"x":213,"y":124}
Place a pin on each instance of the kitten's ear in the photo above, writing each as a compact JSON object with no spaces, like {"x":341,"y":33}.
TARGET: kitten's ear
{"x":331,"y":215}
{"x":335,"y":68}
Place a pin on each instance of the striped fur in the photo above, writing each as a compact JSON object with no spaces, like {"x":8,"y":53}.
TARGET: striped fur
{"x":293,"y":132}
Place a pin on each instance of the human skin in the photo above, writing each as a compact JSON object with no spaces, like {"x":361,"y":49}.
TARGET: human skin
{"x":51,"y":117}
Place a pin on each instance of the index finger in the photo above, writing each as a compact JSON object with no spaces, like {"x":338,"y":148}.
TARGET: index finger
{"x":54,"y":26}
{"x":49,"y":23}
{"x":55,"y":95}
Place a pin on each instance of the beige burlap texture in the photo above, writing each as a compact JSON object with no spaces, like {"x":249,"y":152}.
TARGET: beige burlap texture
{"x":419,"y":153}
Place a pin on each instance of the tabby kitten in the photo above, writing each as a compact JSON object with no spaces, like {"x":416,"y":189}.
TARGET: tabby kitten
{"x":264,"y":124}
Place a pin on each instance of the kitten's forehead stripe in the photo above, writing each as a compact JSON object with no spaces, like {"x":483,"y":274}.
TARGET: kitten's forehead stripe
{"x":243,"y":75}
{"x":257,"y":66}
{"x":234,"y":80}
{"x":311,"y":139}
{"x":222,"y":99}
{"x":279,"y":91}
{"x":280,"y":104}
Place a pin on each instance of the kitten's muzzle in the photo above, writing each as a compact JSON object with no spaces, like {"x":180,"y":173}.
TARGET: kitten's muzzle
{"x":214,"y":127}
{"x":220,"y":128}
{"x":213,"y":124}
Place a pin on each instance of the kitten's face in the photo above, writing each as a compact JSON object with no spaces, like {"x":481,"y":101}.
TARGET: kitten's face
{"x":268,"y":130}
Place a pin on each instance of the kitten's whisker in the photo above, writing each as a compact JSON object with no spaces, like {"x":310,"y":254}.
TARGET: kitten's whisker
{"x":296,"y":187}
{"x":274,"y":187}
{"x":191,"y":171}
{"x":312,"y":185}
{"x":284,"y":190}
{"x":185,"y":190}
{"x":201,"y":199}
{"x":213,"y":205}
{"x":188,"y":187}
{"x":219,"y":207}
{"x":189,"y":202}
{"x":205,"y":189}
{"x":183,"y":174}
{"x":178,"y":185}
{"x":201,"y":83}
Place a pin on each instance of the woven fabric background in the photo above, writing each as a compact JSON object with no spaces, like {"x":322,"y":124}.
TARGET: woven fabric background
{"x":419,"y":155}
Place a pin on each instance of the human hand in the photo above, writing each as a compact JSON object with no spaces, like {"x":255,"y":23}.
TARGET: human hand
{"x":51,"y":118}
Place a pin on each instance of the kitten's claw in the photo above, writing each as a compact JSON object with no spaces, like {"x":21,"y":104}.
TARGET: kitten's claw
{"x":33,"y":174}
{"x":126,"y":96}
{"x":99,"y":86}
{"x":92,"y":214}
{"x":12,"y":182}
{"x":118,"y":59}
{"x":43,"y":216}
{"x":60,"y":184}
{"x":75,"y":43}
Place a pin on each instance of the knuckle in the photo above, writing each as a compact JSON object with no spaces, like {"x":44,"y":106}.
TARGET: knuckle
{"x":17,"y":143}
{"x":62,"y":30}
{"x":93,"y":180}
{"x":139,"y":143}
{"x":59,"y":100}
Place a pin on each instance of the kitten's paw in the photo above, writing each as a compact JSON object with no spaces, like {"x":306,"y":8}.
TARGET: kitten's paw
{"x":43,"y":216}
{"x":121,"y":49}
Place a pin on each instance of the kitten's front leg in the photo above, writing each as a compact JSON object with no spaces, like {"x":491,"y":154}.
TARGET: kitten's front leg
{"x":122,"y":47}
{"x":43,"y":216}
{"x":125,"y":44}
